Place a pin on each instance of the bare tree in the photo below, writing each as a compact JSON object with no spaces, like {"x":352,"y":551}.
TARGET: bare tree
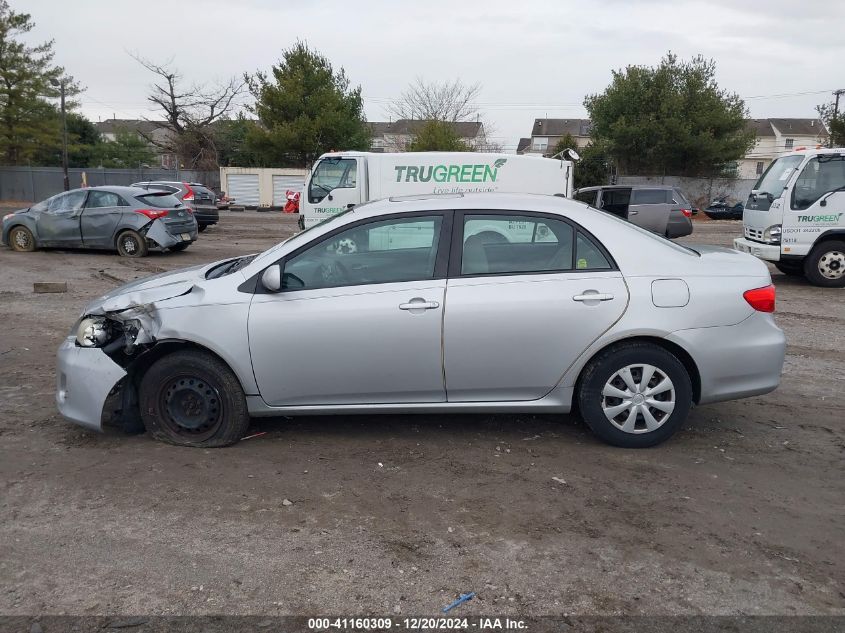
{"x":449,"y":101}
{"x":189,"y":113}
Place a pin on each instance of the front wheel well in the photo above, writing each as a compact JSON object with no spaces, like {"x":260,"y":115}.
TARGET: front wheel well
{"x":673,"y":348}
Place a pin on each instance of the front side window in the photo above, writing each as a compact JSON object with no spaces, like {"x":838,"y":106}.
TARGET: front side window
{"x":103,"y":199}
{"x":503,"y":244}
{"x":820,"y":175}
{"x":648,"y":196}
{"x":331,"y":174}
{"x":616,"y":201}
{"x":67,"y":202}
{"x":402,"y":249}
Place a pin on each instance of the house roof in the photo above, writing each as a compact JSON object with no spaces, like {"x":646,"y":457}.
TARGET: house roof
{"x":523,"y":145}
{"x":797,"y":127}
{"x":111,"y":126}
{"x":464,"y":129}
{"x":561,"y":127}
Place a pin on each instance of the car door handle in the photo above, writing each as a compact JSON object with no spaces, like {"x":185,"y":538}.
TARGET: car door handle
{"x":593,"y":296}
{"x":635,"y":212}
{"x":419,"y":304}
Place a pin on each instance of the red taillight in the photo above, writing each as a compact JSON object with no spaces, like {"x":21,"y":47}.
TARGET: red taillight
{"x":189,"y":196}
{"x":761,"y":299}
{"x":152,"y":214}
{"x":687,"y":212}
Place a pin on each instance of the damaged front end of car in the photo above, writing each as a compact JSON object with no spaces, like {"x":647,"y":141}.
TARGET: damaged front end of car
{"x":100,"y":360}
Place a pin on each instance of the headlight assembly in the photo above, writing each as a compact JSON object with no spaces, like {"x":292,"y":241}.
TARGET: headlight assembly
{"x":93,"y":332}
{"x":772,"y":234}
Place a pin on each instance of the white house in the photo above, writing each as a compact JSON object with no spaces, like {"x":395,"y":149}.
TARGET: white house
{"x":546,"y":133}
{"x":776,"y":137}
{"x":395,"y":136}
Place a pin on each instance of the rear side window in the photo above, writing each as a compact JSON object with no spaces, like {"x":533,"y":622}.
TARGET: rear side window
{"x":160,"y":200}
{"x":102,"y":199}
{"x":502,"y":244}
{"x":649,"y":196}
{"x":588,"y":256}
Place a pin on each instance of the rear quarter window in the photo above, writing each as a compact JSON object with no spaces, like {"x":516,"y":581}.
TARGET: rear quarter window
{"x":160,"y":200}
{"x":649,"y":196}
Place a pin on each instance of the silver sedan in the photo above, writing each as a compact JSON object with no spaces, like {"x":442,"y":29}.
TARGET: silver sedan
{"x":456,"y":303}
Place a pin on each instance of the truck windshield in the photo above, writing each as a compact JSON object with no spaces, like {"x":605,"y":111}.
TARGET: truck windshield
{"x":773,"y":181}
{"x":331,"y":174}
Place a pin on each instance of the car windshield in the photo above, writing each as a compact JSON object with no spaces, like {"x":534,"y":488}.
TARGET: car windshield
{"x":773,"y":181}
{"x":160,"y":200}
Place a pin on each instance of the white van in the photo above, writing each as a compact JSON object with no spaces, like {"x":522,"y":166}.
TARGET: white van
{"x":795,"y":216}
{"x":340,"y":180}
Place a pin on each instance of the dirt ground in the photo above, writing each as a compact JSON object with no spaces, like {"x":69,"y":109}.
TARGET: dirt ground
{"x":742,"y":512}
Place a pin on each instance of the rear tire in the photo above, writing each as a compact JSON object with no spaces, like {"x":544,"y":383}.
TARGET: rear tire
{"x":825,"y":265}
{"x":21,"y":239}
{"x":131,"y":244}
{"x":634,"y":395}
{"x":202,"y":227}
{"x":192,"y":398}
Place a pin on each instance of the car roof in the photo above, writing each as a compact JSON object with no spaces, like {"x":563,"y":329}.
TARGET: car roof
{"x":475,"y":202}
{"x":597,"y":187}
{"x":125,"y":190}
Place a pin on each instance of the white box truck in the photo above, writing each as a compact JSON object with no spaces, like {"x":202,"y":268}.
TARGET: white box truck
{"x":795,"y":216}
{"x":343,"y":179}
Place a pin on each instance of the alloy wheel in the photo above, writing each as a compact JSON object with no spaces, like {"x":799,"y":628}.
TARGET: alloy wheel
{"x":638,"y":398}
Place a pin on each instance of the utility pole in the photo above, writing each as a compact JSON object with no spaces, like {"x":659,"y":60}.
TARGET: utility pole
{"x":60,"y":84}
{"x":836,"y":93}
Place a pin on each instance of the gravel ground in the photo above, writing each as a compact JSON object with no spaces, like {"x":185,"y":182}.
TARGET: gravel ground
{"x":740,"y":513}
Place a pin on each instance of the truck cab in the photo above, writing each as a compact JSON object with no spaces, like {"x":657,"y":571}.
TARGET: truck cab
{"x":795,"y":216}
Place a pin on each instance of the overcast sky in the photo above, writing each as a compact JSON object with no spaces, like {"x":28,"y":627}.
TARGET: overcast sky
{"x":532,"y":58}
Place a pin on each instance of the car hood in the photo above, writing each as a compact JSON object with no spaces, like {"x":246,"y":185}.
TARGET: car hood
{"x":150,"y":289}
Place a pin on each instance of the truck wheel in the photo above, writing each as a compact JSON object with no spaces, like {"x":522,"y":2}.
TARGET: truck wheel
{"x":634,"y":395}
{"x":825,"y":265}
{"x":131,"y":244}
{"x":793,"y":270}
{"x":21,"y":239}
{"x":192,"y":398}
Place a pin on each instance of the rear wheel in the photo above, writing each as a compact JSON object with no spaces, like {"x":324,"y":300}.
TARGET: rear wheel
{"x":202,"y":227}
{"x":192,"y":398}
{"x":131,"y":244}
{"x":825,"y":265}
{"x":21,"y":239}
{"x":635,"y":395}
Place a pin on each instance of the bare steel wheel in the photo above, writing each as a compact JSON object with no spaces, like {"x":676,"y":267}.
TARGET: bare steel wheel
{"x":638,"y":398}
{"x":192,"y":398}
{"x":825,"y":265}
{"x":634,"y":394}
{"x":21,"y":239}
{"x":131,"y":244}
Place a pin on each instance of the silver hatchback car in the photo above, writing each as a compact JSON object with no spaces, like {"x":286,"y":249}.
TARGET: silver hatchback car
{"x":456,"y":303}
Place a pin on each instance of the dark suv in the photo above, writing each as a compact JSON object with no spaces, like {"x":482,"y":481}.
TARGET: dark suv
{"x":197,"y":196}
{"x":659,"y":208}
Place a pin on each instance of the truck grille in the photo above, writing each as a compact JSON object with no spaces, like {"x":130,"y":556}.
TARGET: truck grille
{"x":754,"y":234}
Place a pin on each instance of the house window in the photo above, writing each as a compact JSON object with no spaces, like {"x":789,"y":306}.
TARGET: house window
{"x":760,"y":167}
{"x":789,"y":143}
{"x":540,"y":144}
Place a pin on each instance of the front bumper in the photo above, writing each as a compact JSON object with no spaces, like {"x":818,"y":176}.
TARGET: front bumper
{"x":769,"y":252}
{"x":736,"y":361}
{"x":85,"y":377}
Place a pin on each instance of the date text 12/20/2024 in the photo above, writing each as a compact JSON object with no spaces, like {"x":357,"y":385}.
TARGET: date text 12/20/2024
{"x":416,"y":624}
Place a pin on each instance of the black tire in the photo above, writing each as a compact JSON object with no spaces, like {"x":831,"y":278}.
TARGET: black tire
{"x":829,"y":255}
{"x":202,"y":227}
{"x":131,"y":244}
{"x":192,"y":398}
{"x":793,"y":270}
{"x":21,"y":239}
{"x":599,"y":372}
{"x":180,"y":246}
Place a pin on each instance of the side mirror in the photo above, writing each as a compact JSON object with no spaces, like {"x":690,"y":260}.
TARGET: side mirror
{"x":271,"y":278}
